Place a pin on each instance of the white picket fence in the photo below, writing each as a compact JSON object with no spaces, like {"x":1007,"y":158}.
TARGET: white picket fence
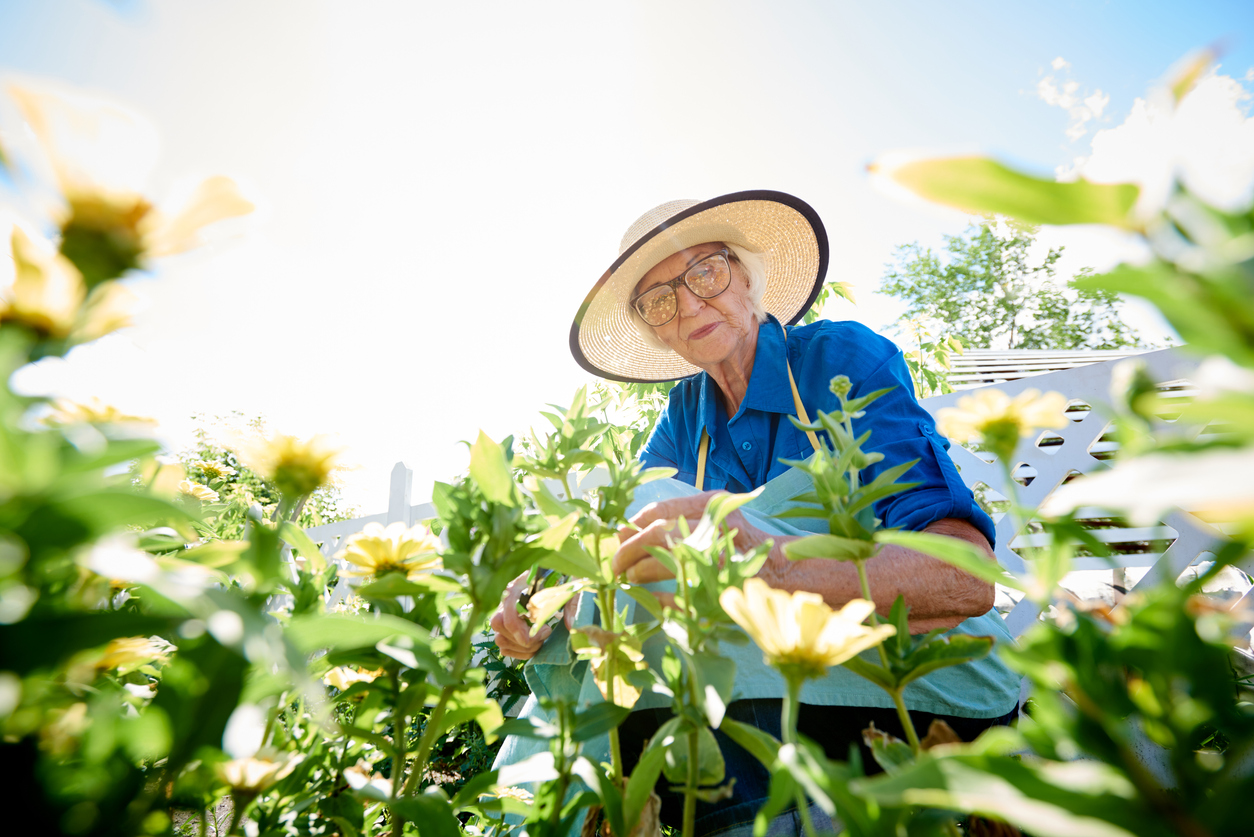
{"x":1045,"y":462}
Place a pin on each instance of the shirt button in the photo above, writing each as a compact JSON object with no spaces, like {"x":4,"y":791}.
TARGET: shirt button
{"x":927,"y":428}
{"x":746,"y":446}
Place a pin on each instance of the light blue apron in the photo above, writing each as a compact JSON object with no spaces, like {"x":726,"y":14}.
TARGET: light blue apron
{"x":984,"y":688}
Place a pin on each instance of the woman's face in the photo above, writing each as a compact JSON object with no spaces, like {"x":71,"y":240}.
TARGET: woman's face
{"x":705,"y":332}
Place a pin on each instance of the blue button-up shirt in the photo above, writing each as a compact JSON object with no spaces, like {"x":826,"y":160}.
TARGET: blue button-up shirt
{"x":745,"y":450}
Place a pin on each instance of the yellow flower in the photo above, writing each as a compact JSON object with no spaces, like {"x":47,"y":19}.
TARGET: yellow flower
{"x":46,"y":293}
{"x":999,"y":420}
{"x":213,"y":470}
{"x":342,"y":677}
{"x":519,"y":794}
{"x":376,"y":550}
{"x":799,"y":631}
{"x":254,"y":774}
{"x":92,"y":411}
{"x":129,"y":653}
{"x":297,"y":467}
{"x":196,"y":491}
{"x":100,"y":155}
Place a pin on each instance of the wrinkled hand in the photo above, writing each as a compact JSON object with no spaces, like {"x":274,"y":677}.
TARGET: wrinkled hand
{"x":655,"y":526}
{"x":512,"y":633}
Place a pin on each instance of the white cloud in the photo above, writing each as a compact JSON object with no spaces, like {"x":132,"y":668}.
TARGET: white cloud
{"x":1063,"y":92}
{"x":1207,"y":140}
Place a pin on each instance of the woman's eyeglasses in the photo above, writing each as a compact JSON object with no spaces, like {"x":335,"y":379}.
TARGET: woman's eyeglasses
{"x":706,"y":279}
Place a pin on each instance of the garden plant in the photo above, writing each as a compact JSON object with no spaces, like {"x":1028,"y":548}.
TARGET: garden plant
{"x":154,"y":661}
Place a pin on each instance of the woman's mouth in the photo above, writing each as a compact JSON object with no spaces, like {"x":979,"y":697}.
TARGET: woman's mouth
{"x":703,"y":331}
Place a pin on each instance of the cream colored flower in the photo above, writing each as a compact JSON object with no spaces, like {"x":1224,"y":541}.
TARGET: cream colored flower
{"x":798,"y":630}
{"x":213,"y":470}
{"x":376,"y":550}
{"x":47,"y":290}
{"x":61,"y":737}
{"x":986,"y":409}
{"x":196,"y":491}
{"x":91,"y":411}
{"x":519,"y":794}
{"x":254,"y":774}
{"x":297,"y":467}
{"x":360,"y":776}
{"x":126,"y":654}
{"x":101,"y":155}
{"x":341,"y":677}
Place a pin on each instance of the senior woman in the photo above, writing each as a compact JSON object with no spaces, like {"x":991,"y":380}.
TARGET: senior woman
{"x":707,"y":291}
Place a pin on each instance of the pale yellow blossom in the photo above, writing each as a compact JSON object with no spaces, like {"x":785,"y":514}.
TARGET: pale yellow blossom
{"x":213,"y":470}
{"x":196,"y":491}
{"x":360,"y":776}
{"x":977,"y":413}
{"x":61,"y":737}
{"x":341,"y":677}
{"x":101,"y":155}
{"x":47,"y":290}
{"x":376,"y":550}
{"x":257,"y":773}
{"x":91,"y":411}
{"x":518,"y":794}
{"x":798,"y":630}
{"x":297,"y":467}
{"x":126,"y":654}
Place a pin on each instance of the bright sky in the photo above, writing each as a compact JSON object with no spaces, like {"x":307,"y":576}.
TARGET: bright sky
{"x":441,"y":184}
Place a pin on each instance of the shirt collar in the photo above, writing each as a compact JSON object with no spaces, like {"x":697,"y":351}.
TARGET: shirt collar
{"x":768,"y":384}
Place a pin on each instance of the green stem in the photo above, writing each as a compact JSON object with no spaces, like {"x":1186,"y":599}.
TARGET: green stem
{"x":904,"y":715}
{"x":237,"y":811}
{"x":427,"y":740}
{"x":865,"y":582}
{"x":690,"y":788}
{"x":788,"y":727}
{"x":609,"y":611}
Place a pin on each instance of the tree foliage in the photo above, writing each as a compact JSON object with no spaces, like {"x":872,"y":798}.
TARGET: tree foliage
{"x":988,"y":291}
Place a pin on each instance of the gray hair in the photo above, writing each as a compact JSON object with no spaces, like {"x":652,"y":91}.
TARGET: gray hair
{"x":754,"y":266}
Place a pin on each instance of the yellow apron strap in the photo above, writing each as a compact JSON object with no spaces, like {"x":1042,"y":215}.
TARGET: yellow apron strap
{"x":796,"y":397}
{"x":704,"y":449}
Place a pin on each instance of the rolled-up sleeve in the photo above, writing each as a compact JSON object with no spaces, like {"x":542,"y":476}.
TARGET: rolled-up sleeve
{"x":902,"y":430}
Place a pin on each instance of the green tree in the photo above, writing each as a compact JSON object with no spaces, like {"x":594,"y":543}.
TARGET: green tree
{"x":986,"y":291}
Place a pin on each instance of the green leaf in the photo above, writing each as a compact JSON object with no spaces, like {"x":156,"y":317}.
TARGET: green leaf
{"x":611,"y":800}
{"x":979,"y":185}
{"x":829,"y":546}
{"x":761,"y":745}
{"x":490,"y":471}
{"x":640,"y":785}
{"x":556,"y":535}
{"x":598,"y":720}
{"x":430,"y":809}
{"x":341,"y":631}
{"x":890,"y":752}
{"x":716,"y":679}
{"x":395,"y":584}
{"x":710,"y":766}
{"x":942,"y":652}
{"x":532,"y":727}
{"x":43,"y":642}
{"x":1073,"y":799}
{"x":959,"y":553}
{"x":876,"y":674}
{"x":303,"y":544}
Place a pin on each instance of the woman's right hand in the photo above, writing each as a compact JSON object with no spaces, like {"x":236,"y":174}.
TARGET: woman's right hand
{"x":512,"y":633}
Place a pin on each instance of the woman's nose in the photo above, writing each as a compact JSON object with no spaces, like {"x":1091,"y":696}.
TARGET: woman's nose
{"x":688,"y":302}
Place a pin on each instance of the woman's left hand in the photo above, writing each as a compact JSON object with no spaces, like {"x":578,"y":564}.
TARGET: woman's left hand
{"x":655,"y":526}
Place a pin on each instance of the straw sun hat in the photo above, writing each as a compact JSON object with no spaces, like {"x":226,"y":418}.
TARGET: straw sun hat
{"x":786,"y":230}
